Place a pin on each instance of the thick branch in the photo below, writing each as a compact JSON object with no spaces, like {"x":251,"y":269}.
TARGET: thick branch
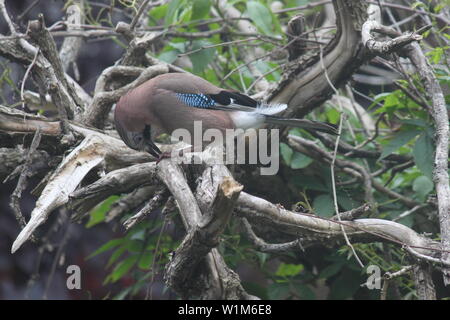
{"x":71,"y":46}
{"x":160,"y":196}
{"x":383,"y":47}
{"x":71,"y":103}
{"x":304,"y":85}
{"x":98,"y":111}
{"x":202,"y":238}
{"x":115,"y":182}
{"x":424,"y":282}
{"x":441,"y":121}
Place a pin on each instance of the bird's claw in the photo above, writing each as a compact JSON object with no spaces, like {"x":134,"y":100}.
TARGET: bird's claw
{"x":163,"y":155}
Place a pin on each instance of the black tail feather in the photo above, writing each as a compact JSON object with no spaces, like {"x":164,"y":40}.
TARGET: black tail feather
{"x":303,"y":123}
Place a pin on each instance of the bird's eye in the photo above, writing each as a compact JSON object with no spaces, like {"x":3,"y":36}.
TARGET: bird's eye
{"x":137,"y":138}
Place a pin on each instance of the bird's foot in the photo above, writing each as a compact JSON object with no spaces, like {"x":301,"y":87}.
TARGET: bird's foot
{"x":164,"y":155}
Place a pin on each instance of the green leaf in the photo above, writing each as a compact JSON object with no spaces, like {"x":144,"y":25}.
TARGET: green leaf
{"x":123,"y":267}
{"x":107,"y":246}
{"x":345,"y":285}
{"x":200,"y":9}
{"x":377,"y":99}
{"x":169,"y":56}
{"x":391,"y":100}
{"x":171,"y":15}
{"x":158,"y":12}
{"x":345,"y":200}
{"x":391,"y":103}
{"x":417,"y":4}
{"x":139,"y":234}
{"x":97,"y":215}
{"x":300,"y":161}
{"x":286,"y":153}
{"x":304,"y":291}
{"x":278,"y":291}
{"x":435,"y":55}
{"x":202,"y":58}
{"x":423,"y":154}
{"x":333,"y":115}
{"x":116,"y":255}
{"x":180,"y":46}
{"x":289,"y":270}
{"x":135,"y":246}
{"x":309,"y":183}
{"x":146,"y":260}
{"x":323,"y":205}
{"x":415,"y":122}
{"x":331,"y":270}
{"x":423,"y":186}
{"x":262,"y":257}
{"x":255,"y":289}
{"x":261,"y":16}
{"x":123,"y":294}
{"x":400,"y":139}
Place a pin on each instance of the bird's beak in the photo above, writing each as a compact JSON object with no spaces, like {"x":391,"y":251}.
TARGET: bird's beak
{"x":151,"y":148}
{"x":127,"y":137}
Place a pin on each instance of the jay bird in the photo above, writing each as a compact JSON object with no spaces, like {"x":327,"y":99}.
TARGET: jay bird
{"x":175,"y":100}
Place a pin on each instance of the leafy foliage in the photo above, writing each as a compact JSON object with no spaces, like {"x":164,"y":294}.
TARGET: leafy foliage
{"x":400,"y":113}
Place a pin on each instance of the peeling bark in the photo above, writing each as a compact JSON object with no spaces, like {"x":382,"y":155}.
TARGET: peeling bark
{"x":197,"y":268}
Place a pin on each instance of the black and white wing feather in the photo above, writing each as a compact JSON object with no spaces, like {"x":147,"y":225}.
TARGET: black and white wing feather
{"x":254,"y":112}
{"x":229,"y":101}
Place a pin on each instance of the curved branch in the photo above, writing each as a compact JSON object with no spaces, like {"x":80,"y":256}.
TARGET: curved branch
{"x":203,"y":238}
{"x":214,"y":279}
{"x":303,"y":86}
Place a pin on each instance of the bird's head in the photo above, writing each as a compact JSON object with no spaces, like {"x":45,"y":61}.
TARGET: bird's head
{"x":136,"y":134}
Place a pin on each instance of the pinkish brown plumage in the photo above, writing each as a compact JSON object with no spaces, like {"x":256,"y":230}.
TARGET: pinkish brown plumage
{"x":175,"y":100}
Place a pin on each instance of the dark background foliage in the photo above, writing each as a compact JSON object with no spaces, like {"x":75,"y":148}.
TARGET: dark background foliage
{"x":119,"y":264}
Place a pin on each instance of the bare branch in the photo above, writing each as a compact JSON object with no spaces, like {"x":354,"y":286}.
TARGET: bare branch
{"x":263,"y":246}
{"x":22,"y":183}
{"x":303,"y":86}
{"x":117,"y":181}
{"x":424,"y":282}
{"x":71,"y":103}
{"x":62,"y":182}
{"x":97,"y":112}
{"x":129,"y":202}
{"x":71,"y":46}
{"x":441,"y":121}
{"x":221,"y":281}
{"x":382,"y":47}
{"x":158,"y":199}
{"x":202,"y":238}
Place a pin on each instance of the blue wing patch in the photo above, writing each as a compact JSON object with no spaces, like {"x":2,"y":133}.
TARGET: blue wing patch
{"x":197,"y":100}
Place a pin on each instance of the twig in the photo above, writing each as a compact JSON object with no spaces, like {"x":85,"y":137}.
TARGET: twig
{"x":441,"y":121}
{"x":22,"y":183}
{"x":97,"y":112}
{"x":410,"y":211}
{"x":7,"y":18}
{"x":71,"y":46}
{"x":138,"y":14}
{"x":263,"y":246}
{"x":25,"y":77}
{"x":388,"y":276}
{"x":353,"y":213}
{"x":333,"y":185}
{"x":405,"y":8}
{"x":156,"y":201}
{"x":333,"y":160}
{"x":127,"y":203}
{"x":57,"y":258}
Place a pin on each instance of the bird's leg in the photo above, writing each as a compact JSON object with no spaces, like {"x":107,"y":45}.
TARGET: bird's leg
{"x":164,"y":155}
{"x":168,"y":154}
